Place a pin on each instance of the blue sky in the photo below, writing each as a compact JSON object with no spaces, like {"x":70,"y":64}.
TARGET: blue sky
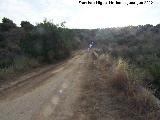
{"x":80,"y":16}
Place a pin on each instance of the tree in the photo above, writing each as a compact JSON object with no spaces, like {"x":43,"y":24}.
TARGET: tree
{"x":2,"y":40}
{"x":7,"y":24}
{"x":27,"y":26}
{"x":48,"y":42}
{"x":63,"y":24}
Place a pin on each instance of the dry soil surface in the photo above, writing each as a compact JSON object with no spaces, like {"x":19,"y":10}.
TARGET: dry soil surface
{"x":50,"y":95}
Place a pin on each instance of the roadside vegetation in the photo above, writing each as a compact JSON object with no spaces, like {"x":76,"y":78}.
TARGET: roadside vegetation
{"x":26,"y":47}
{"x":113,"y":90}
{"x":29,"y":46}
{"x":127,"y":89}
{"x":124,"y":75}
{"x":138,"y":45}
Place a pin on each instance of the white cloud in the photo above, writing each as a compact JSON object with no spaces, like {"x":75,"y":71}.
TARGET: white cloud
{"x":110,"y":16}
{"x":77,"y":15}
{"x":17,"y":10}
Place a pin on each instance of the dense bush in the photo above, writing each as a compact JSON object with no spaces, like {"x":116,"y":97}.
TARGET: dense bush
{"x":7,"y":24}
{"x":48,"y":42}
{"x":40,"y":44}
{"x":139,"y":45}
{"x":26,"y":25}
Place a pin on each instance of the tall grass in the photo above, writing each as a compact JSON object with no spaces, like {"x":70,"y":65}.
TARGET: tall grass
{"x":20,"y":65}
{"x":125,"y":82}
{"x":154,"y":69}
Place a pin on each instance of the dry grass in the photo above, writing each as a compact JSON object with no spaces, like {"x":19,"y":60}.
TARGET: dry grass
{"x":112,"y":91}
{"x":137,"y":101}
{"x":125,"y":84}
{"x":20,"y":66}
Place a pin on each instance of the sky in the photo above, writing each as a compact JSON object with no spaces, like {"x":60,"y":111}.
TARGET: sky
{"x":78,"y":15}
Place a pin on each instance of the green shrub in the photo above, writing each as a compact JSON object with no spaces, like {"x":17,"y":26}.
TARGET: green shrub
{"x":20,"y":64}
{"x":154,"y":70}
{"x":133,"y":74}
{"x":48,"y":42}
{"x":24,"y":63}
{"x":5,"y":62}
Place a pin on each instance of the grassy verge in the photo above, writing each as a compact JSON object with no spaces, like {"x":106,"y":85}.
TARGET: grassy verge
{"x":129,"y":95}
{"x":113,"y":91}
{"x":20,"y":65}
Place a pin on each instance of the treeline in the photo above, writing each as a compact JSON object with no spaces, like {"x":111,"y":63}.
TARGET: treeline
{"x":139,"y":45}
{"x":29,"y":46}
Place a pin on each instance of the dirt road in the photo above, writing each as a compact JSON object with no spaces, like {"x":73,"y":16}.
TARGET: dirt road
{"x":47,"y":96}
{"x":77,"y":89}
